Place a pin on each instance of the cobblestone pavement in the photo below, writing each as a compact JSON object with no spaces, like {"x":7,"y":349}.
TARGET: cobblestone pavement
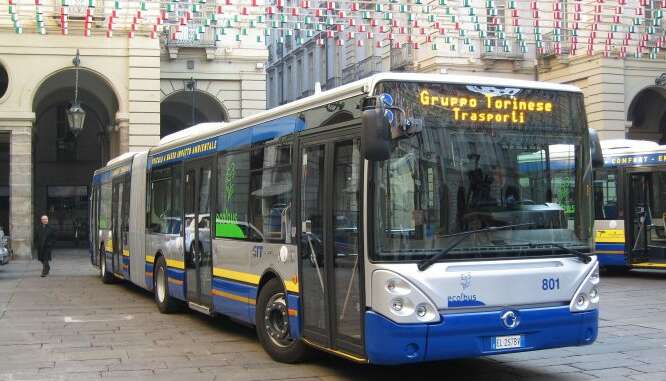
{"x":69,"y":326}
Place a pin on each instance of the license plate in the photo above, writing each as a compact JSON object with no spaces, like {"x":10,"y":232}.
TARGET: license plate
{"x":507,"y":342}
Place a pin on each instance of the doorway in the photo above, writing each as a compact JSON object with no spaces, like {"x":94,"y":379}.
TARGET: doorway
{"x":198,"y":245}
{"x":331,"y":262}
{"x":646,"y":216}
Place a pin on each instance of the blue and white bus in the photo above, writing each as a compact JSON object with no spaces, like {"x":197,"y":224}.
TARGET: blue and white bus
{"x":630,"y":205}
{"x":398,"y":219}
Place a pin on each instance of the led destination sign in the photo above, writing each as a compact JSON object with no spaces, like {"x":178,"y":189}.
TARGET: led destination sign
{"x":487,"y":107}
{"x":636,"y":160}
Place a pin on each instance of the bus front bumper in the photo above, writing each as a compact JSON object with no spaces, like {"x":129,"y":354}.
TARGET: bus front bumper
{"x":473,"y":334}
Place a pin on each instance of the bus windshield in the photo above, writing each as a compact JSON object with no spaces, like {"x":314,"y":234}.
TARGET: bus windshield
{"x":482,"y":157}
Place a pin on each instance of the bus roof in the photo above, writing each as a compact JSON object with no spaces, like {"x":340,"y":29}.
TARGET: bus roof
{"x":617,"y":145}
{"x":359,"y":87}
{"x":121,"y":158}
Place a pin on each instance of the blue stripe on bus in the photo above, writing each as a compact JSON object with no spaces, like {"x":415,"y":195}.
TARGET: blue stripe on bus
{"x":610,"y":247}
{"x":611,"y":259}
{"x":234,"y":299}
{"x":149,"y":276}
{"x":471,"y":334}
{"x":125,"y":266}
{"x":293,"y":303}
{"x":540,"y":166}
{"x":237,"y":139}
{"x":237,"y":299}
{"x":176,"y":283}
{"x":102,"y":177}
{"x":175,"y":273}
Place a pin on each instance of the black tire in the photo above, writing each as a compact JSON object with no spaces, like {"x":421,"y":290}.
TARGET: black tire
{"x":107,"y":277}
{"x":280,"y":347}
{"x":165,"y":303}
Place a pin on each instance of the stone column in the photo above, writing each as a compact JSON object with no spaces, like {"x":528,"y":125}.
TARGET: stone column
{"x":20,"y":190}
{"x":123,"y":133}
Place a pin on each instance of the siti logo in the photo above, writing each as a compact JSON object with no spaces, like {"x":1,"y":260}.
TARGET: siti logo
{"x":465,"y":280}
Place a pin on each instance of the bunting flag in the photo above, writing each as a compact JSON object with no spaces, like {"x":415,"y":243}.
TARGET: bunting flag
{"x":614,"y":28}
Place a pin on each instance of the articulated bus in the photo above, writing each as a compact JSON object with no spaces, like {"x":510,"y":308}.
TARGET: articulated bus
{"x":630,"y":205}
{"x":398,"y":219}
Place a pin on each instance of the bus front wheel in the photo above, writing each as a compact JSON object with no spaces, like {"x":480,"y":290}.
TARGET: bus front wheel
{"x":272,"y":319}
{"x":165,"y":302}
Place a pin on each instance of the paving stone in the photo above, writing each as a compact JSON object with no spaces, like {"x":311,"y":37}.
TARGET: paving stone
{"x":99,"y":342}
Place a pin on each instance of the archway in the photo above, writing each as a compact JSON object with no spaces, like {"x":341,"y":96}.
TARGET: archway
{"x":647,"y":114}
{"x":63,"y":164}
{"x":186,"y":108}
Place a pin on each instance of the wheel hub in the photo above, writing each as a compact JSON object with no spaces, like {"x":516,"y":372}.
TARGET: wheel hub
{"x":159,"y":284}
{"x":276,"y":320}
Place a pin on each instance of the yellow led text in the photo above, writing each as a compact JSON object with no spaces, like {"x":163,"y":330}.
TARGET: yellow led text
{"x":487,"y":108}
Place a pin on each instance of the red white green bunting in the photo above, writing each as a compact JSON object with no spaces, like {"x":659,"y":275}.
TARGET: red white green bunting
{"x":617,"y":28}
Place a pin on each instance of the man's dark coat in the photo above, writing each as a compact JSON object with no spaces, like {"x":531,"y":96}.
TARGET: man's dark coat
{"x":45,"y":241}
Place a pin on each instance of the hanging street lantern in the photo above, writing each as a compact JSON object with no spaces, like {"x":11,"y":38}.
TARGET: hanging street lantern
{"x":76,"y":115}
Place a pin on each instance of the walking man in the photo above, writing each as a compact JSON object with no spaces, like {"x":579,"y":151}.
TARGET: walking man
{"x":45,"y":240}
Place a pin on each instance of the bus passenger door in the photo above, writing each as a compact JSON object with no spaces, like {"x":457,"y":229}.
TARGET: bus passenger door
{"x":116,"y":232}
{"x":198,"y":249}
{"x":124,"y":227}
{"x":330,"y":250}
{"x":638,"y":215}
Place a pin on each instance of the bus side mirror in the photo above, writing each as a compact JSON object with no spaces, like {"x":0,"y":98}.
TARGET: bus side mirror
{"x":376,"y":132}
{"x":595,"y":150}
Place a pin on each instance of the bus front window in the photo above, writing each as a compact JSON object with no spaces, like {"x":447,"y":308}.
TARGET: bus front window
{"x":457,"y":177}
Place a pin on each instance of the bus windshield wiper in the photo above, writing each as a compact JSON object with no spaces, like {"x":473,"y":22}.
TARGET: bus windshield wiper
{"x":424,"y":264}
{"x":582,"y":256}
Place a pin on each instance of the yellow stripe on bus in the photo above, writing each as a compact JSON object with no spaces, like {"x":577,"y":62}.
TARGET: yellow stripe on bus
{"x":231,"y":296}
{"x":175,"y":263}
{"x":109,"y":245}
{"x":175,"y":281}
{"x":125,"y":253}
{"x":609,"y":236}
{"x":609,"y":252}
{"x":650,"y":265}
{"x":236,"y":275}
{"x":289,"y":285}
{"x":150,"y":259}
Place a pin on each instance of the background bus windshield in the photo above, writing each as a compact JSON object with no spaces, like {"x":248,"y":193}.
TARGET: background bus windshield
{"x":485,"y":156}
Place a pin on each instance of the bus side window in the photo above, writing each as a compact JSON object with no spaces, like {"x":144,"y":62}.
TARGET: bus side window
{"x":231,"y":219}
{"x":605,"y":196}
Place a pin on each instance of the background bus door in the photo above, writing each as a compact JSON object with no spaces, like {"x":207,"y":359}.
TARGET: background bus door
{"x":638,"y":215}
{"x":647,"y":192}
{"x":124,"y":227}
{"x":116,"y":220}
{"x":330,"y":258}
{"x":198,"y":259}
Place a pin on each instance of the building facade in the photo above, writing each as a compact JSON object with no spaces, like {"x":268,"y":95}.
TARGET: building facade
{"x":597,"y":47}
{"x":135,"y":87}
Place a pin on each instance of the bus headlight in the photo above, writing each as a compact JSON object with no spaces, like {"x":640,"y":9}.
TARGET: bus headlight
{"x":399,"y":300}
{"x":586,"y":297}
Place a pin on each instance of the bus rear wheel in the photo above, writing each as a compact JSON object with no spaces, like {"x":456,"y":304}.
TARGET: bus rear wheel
{"x":165,"y":302}
{"x":106,"y":277}
{"x":272,"y":320}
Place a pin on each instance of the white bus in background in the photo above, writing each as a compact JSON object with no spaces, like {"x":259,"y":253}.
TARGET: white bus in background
{"x":398,"y":219}
{"x":630,"y":205}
